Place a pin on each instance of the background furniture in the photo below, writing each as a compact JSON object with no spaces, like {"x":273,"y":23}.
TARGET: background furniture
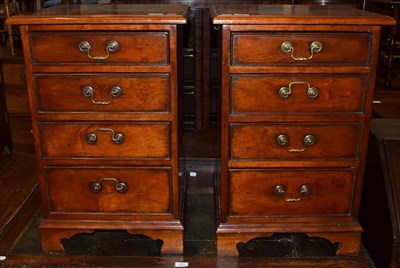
{"x":11,"y":8}
{"x":390,"y":35}
{"x":5,"y":135}
{"x":295,"y":124}
{"x":13,"y":80}
{"x":380,"y":215}
{"x":120,"y":171}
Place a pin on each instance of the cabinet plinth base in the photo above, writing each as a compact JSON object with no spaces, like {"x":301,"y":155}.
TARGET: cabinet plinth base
{"x":347,"y":234}
{"x":170,"y":232}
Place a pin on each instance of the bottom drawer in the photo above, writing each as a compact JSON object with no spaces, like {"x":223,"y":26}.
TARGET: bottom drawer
{"x":109,"y":190}
{"x":261,"y":193}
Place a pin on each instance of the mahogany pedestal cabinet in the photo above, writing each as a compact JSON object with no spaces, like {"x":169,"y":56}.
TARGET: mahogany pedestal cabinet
{"x":297,"y":88}
{"x":102,"y":83}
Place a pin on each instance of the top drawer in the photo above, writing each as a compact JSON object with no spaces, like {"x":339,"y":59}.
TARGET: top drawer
{"x":288,"y":48}
{"x":141,"y":48}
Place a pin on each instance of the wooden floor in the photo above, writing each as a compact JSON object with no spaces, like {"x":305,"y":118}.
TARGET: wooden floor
{"x":170,"y":261}
{"x":19,"y":200}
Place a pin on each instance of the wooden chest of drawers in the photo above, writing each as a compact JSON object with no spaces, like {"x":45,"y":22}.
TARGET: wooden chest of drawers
{"x":297,"y":87}
{"x":103,"y":87}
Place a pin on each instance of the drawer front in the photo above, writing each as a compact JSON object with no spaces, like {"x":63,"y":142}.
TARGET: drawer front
{"x":98,"y":92}
{"x":143,"y":48}
{"x":14,"y":74}
{"x":264,"y":94}
{"x":260,"y":193}
{"x":109,"y":190}
{"x":139,"y":140}
{"x":252,"y":49}
{"x":294,"y":141}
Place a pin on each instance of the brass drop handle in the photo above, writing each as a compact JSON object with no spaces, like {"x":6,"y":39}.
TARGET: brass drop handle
{"x":112,"y":46}
{"x":285,"y":92}
{"x":117,"y":138}
{"x":315,"y":47}
{"x":283,"y":140}
{"x":120,"y":187}
{"x":88,"y":92}
{"x":304,"y":190}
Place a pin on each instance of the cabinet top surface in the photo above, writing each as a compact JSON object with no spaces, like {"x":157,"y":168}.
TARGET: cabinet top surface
{"x":105,"y":14}
{"x":296,"y":14}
